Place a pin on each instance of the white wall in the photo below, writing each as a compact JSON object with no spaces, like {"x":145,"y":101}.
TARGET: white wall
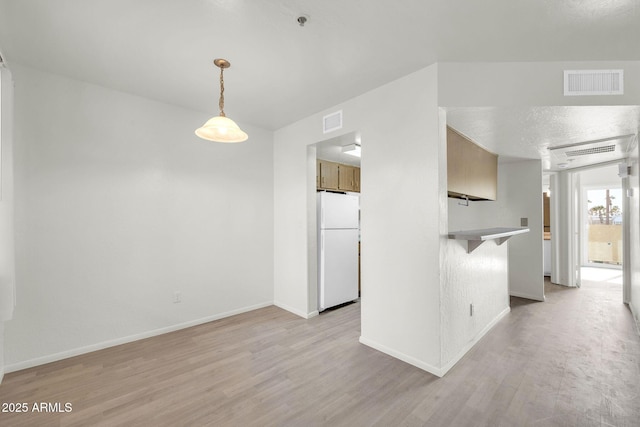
{"x":118,"y":205}
{"x":1,"y":351}
{"x":519,"y":196}
{"x":560,"y":211}
{"x":480,"y":278}
{"x":634,"y":229}
{"x":400,"y":220}
{"x":524,"y":200}
{"x":7,"y":262}
{"x":487,"y":276}
{"x":600,"y":176}
{"x":500,"y":84}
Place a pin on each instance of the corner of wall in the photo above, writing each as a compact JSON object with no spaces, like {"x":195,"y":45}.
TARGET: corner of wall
{"x":435,"y":370}
{"x":1,"y":351}
{"x":443,"y":216}
{"x":634,"y":231}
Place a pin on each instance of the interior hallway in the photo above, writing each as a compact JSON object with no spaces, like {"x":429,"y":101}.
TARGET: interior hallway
{"x":573,"y":361}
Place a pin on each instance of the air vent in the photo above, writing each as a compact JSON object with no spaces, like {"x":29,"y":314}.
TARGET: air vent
{"x":332,"y":122}
{"x":594,"y":150}
{"x":593,"y":82}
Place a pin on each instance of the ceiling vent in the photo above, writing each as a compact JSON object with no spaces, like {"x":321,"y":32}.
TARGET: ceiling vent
{"x":587,"y":151}
{"x":593,"y":82}
{"x":332,"y":122}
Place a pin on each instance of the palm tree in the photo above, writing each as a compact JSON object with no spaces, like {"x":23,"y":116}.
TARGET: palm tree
{"x":614,"y":211}
{"x":598,"y":210}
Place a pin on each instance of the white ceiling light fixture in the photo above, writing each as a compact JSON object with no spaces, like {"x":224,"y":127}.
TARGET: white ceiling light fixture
{"x":352,"y":149}
{"x":221,"y":128}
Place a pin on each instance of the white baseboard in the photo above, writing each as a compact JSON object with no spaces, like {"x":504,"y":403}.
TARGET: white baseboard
{"x":474,"y":341}
{"x":439,"y":372}
{"x":118,"y":341}
{"x":295,"y":310}
{"x":401,"y":356}
{"x":526,"y":296}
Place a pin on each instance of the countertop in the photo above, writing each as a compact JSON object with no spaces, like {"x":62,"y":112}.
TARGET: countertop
{"x":487,"y":233}
{"x":475,"y":238}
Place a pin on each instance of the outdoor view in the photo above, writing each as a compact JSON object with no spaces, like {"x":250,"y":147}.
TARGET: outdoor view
{"x":604,"y":224}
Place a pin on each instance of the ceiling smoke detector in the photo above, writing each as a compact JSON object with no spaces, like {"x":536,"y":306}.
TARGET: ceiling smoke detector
{"x":302,"y":19}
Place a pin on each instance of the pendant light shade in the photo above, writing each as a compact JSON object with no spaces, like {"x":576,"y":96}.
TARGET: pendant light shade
{"x":221,"y":128}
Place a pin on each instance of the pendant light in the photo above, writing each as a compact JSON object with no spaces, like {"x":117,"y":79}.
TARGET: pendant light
{"x":221,"y":128}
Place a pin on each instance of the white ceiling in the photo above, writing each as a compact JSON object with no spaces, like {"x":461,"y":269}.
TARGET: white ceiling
{"x":331,"y":149}
{"x":281,"y":72}
{"x":528,"y":132}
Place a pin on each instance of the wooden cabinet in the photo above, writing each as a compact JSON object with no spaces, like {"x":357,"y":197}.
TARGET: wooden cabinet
{"x":336,"y":176}
{"x":327,"y":175}
{"x":546,"y":212}
{"x":348,"y":178}
{"x":356,"y":177}
{"x":472,"y":171}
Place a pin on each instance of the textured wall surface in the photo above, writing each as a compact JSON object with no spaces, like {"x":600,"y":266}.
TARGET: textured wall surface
{"x":479,"y":278}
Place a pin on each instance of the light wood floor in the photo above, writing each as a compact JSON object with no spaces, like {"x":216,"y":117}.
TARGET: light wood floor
{"x":571,"y":361}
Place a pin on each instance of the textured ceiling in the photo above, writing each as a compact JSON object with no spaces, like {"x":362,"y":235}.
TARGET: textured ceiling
{"x":528,"y":132}
{"x":281,"y":72}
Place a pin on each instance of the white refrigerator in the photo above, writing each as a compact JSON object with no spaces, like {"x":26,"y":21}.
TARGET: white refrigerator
{"x":338,"y":236}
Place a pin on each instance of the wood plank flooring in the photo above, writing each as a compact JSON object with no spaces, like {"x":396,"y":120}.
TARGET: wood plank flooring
{"x":571,"y":361}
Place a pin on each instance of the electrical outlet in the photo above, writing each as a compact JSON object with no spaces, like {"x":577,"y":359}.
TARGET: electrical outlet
{"x":177,"y":297}
{"x":524,"y":222}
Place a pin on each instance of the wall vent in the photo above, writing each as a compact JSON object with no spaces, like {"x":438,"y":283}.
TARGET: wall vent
{"x":332,"y":122}
{"x":593,"y":150}
{"x":593,"y":82}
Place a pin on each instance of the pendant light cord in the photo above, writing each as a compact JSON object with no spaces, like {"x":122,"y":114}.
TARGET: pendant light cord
{"x":221,"y":103}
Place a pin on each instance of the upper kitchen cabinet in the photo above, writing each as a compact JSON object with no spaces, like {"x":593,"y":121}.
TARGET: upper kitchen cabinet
{"x":327,"y":175}
{"x":472,"y":171}
{"x":348,"y":178}
{"x":336,"y":176}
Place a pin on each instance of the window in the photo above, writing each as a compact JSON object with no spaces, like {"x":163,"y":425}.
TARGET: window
{"x":604,"y":226}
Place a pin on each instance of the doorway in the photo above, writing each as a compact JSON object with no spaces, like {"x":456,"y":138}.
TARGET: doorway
{"x":337,"y":183}
{"x":602,"y":228}
{"x":602,"y":218}
{"x":577,"y":213}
